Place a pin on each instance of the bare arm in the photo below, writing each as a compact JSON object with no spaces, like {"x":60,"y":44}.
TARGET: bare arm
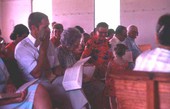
{"x":13,"y":100}
{"x":42,"y":62}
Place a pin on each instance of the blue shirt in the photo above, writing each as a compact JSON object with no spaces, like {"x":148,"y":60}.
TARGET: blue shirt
{"x":132,"y":46}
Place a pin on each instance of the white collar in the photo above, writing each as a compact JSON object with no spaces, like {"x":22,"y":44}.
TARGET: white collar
{"x":32,"y":39}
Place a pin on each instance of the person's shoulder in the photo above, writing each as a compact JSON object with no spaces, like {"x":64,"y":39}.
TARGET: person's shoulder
{"x":91,"y":42}
{"x":112,"y":39}
{"x":23,"y":45}
{"x":144,"y":57}
{"x":145,"y":53}
{"x":127,"y":41}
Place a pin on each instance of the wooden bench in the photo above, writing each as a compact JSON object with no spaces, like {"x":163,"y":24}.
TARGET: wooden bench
{"x":141,"y":90}
{"x":144,"y":47}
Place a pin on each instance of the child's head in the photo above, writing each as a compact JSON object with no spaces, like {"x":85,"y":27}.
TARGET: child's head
{"x":120,"y":50}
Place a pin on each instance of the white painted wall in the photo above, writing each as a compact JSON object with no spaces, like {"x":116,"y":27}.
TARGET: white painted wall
{"x":74,"y":12}
{"x":103,"y":13}
{"x":13,"y":13}
{"x":45,"y":7}
{"x":144,"y":14}
{"x":67,"y":12}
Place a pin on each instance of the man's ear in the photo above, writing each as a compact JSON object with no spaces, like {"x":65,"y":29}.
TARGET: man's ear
{"x":33,"y":27}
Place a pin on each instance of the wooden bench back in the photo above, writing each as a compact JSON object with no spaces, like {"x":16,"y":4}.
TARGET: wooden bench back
{"x":142,"y":90}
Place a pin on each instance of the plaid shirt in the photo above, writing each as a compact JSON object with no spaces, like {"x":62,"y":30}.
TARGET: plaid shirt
{"x":157,"y":59}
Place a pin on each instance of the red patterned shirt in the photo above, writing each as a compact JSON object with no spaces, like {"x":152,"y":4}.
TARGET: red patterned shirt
{"x":98,"y":50}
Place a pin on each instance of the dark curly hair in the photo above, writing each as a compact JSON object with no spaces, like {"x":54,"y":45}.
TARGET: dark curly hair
{"x":120,"y":49}
{"x":18,"y":31}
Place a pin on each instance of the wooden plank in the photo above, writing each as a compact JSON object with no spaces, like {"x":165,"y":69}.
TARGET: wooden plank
{"x":142,"y":75}
{"x":141,"y":89}
{"x":152,"y":95}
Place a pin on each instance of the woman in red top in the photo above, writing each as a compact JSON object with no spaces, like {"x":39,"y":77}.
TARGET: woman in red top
{"x":20,"y":32}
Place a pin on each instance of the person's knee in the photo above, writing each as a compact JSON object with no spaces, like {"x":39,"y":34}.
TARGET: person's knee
{"x":41,"y":90}
{"x":42,"y":99}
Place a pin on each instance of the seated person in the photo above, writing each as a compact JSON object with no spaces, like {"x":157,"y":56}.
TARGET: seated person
{"x":132,"y":32}
{"x":37,"y":59}
{"x":84,"y":38}
{"x":2,"y":45}
{"x":57,"y":30}
{"x":157,"y":59}
{"x":19,"y":33}
{"x":35,"y":97}
{"x":70,"y":40}
{"x":118,"y":63}
{"x":97,"y":47}
{"x":119,"y":36}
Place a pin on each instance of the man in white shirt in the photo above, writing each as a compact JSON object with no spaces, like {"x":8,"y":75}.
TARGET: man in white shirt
{"x":119,"y":37}
{"x":37,"y":59}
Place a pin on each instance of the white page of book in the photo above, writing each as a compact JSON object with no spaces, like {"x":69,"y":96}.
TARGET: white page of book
{"x":73,"y":75}
{"x":26,"y":85}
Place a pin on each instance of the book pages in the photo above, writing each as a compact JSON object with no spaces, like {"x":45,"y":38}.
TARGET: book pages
{"x":17,"y":93}
{"x":73,"y":76}
{"x":26,"y":85}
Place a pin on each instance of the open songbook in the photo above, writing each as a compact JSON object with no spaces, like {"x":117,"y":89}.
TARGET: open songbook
{"x":17,"y":94}
{"x":73,"y":76}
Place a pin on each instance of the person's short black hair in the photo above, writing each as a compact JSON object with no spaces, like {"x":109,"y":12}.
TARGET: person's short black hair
{"x":163,"y":30}
{"x":80,"y":29}
{"x":58,"y":26}
{"x":120,"y":49}
{"x":102,"y":24}
{"x":111,"y":31}
{"x":35,"y":19}
{"x":119,"y":29}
